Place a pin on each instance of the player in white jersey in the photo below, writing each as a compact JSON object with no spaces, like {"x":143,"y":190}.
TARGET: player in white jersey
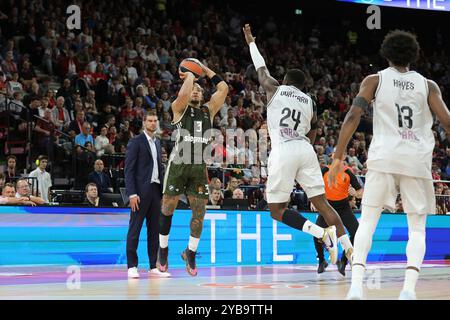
{"x":292,"y":122}
{"x":400,"y":153}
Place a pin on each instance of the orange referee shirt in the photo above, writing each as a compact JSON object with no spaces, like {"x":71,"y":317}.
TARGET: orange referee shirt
{"x":344,"y":180}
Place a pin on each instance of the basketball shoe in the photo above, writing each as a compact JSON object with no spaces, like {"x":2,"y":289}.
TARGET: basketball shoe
{"x":329,"y":239}
{"x":162,"y":264}
{"x":189,"y":257}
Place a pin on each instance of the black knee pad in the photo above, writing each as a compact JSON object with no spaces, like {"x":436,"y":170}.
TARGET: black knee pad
{"x":165,"y":222}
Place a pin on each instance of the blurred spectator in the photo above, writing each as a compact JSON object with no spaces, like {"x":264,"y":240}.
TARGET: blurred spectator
{"x":215,"y":183}
{"x":232,"y":185}
{"x":440,"y":199}
{"x":215,"y":197}
{"x":238,"y":194}
{"x":256,"y":193}
{"x":69,"y":65}
{"x":11,"y":171}
{"x":76,"y":126}
{"x":43,"y":177}
{"x":13,"y":85}
{"x":353,"y":159}
{"x":92,"y":198}
{"x":100,"y":178}
{"x":85,"y":135}
{"x":24,"y":191}
{"x":60,"y":114}
{"x":102,"y":145}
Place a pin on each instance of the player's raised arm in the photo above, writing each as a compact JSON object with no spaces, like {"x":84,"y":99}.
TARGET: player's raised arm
{"x":437,"y":105}
{"x":268,"y":83}
{"x":182,"y":100}
{"x":218,"y":98}
{"x":359,"y":105}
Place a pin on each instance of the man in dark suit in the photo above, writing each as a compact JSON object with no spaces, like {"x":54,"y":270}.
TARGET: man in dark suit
{"x":101,"y":179}
{"x":144,"y":182}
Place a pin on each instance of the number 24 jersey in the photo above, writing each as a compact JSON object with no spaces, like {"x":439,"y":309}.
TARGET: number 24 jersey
{"x":289,"y":115}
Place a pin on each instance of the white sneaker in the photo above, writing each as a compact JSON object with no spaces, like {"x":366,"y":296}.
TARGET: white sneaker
{"x":407,"y":295}
{"x":133,"y":273}
{"x":355,"y":293}
{"x":330,"y":241}
{"x":156,"y":272}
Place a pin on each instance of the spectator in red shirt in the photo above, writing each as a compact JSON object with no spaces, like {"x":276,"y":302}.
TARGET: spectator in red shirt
{"x":69,"y":65}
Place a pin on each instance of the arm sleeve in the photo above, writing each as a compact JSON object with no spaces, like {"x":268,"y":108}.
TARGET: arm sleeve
{"x":257,"y":58}
{"x":353,"y":180}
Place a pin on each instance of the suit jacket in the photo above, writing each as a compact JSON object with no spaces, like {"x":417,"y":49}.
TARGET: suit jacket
{"x":102,"y":186}
{"x":139,"y":167}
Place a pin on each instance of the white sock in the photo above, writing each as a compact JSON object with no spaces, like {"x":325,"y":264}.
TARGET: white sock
{"x":163,"y":241}
{"x":313,"y":229}
{"x":357,"y":275}
{"x":193,"y":243}
{"x":345,"y":242}
{"x":411,"y":277}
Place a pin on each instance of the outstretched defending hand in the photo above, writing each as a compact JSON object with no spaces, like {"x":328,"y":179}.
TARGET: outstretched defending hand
{"x":248,"y":33}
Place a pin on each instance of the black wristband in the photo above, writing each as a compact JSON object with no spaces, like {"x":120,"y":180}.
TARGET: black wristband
{"x":216,"y":79}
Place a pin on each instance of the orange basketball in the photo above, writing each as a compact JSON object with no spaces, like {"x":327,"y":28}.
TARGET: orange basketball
{"x":191,"y":65}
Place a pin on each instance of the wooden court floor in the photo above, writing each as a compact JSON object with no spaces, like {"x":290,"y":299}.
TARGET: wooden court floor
{"x":281,"y":282}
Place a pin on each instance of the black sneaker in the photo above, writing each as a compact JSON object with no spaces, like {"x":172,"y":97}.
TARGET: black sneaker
{"x":341,"y":265}
{"x":322,"y":266}
{"x":189,"y":257}
{"x":162,"y":264}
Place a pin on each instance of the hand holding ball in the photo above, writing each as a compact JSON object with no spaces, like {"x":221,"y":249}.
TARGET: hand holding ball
{"x":191,"y":65}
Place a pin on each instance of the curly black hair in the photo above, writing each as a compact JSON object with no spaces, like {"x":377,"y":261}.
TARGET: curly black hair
{"x":400,"y":48}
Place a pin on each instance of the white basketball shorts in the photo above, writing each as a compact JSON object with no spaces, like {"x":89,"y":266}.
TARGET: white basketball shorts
{"x":381,"y":190}
{"x":289,"y":161}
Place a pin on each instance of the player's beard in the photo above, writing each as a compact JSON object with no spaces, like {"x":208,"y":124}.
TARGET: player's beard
{"x":195,"y":103}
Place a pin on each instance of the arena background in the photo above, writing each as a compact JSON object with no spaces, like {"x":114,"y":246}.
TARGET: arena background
{"x":328,"y":39}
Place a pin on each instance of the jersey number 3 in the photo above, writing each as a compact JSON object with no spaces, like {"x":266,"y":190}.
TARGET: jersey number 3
{"x":404,"y":116}
{"x":295,"y":117}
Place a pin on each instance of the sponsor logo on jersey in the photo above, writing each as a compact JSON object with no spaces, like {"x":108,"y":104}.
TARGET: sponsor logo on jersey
{"x":289,"y":133}
{"x":192,"y":139}
{"x":408,"y":134}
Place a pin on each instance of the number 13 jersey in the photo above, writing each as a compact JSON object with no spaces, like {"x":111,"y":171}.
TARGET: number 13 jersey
{"x":289,"y":115}
{"x":402,"y":141}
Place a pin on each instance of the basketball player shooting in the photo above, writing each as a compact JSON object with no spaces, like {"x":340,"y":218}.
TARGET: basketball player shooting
{"x":400,"y":154}
{"x":292,"y":123}
{"x":192,"y":119}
